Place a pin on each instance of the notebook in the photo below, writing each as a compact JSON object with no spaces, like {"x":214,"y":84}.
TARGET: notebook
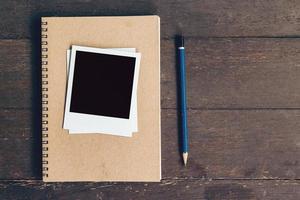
{"x":100,"y":157}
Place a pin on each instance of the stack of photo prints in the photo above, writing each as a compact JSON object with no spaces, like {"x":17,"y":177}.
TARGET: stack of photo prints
{"x":101,"y":95}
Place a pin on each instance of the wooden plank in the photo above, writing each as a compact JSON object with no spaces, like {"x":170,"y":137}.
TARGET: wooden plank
{"x":167,"y":189}
{"x":16,"y":73}
{"x":20,"y":158}
{"x":235,"y":73}
{"x":193,"y":18}
{"x":260,"y":144}
{"x":234,"y":144}
{"x":15,"y":19}
{"x":16,"y":123}
{"x":221,"y":73}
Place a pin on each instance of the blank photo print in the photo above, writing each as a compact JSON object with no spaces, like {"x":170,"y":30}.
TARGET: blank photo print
{"x":133,"y":110}
{"x":100,"y":88}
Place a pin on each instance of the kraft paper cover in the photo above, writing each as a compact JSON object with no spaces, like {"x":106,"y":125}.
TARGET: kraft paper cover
{"x":97,"y":157}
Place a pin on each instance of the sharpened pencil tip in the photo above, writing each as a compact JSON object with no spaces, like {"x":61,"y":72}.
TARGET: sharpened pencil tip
{"x":185,"y":157}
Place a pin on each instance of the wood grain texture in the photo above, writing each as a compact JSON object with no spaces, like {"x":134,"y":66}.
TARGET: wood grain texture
{"x":13,"y":164}
{"x":194,"y":18}
{"x":259,"y":144}
{"x":243,"y":99}
{"x":167,"y":189}
{"x":221,"y":73}
{"x":235,"y":73}
{"x":16,"y":73}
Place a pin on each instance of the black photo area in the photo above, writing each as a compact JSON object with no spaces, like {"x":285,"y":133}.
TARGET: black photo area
{"x":102,"y":84}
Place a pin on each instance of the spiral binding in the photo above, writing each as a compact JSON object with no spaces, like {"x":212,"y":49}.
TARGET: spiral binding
{"x":44,"y":63}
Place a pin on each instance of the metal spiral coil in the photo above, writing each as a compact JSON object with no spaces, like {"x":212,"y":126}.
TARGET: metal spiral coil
{"x":45,"y":129}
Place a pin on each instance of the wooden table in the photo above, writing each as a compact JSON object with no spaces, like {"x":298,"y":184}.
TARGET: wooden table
{"x":243,"y":79}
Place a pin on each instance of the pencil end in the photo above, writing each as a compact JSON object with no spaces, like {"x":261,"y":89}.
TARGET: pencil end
{"x":179,"y":40}
{"x":185,"y":157}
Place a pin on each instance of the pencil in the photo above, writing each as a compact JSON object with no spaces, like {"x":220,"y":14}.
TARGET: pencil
{"x":183,"y":103}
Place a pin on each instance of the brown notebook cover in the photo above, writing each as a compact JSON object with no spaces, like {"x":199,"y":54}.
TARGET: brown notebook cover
{"x":97,"y":157}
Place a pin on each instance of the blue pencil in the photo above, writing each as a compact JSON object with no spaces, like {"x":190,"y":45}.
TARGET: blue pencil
{"x":183,"y":109}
